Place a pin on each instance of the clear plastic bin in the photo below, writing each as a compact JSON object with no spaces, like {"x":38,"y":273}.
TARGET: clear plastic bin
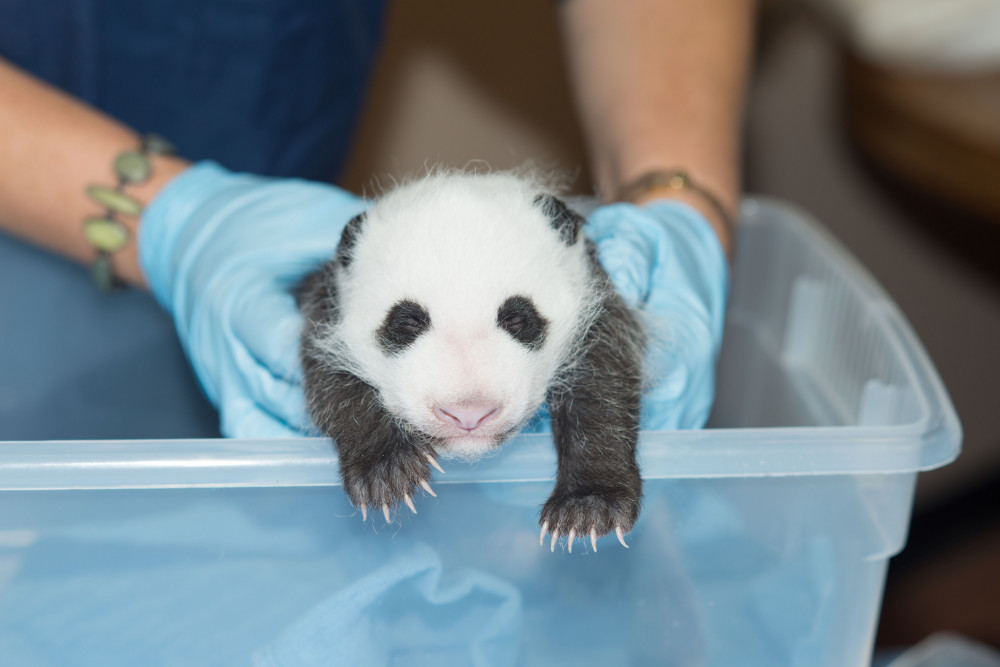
{"x":763,"y":541}
{"x":946,"y":649}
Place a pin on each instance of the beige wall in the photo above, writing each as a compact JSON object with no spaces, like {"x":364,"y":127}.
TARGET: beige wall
{"x":461,"y":81}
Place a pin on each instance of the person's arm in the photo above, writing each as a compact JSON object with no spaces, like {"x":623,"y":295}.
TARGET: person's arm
{"x":660,"y":84}
{"x":52,"y":147}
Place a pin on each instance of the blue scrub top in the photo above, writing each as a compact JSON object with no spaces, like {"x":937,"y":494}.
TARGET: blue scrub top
{"x":272,"y":87}
{"x":267,"y":86}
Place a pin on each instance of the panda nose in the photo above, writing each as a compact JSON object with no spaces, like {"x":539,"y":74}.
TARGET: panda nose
{"x":467,"y":415}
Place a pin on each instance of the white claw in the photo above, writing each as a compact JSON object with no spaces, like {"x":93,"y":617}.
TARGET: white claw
{"x":364,"y":512}
{"x":555,"y":536}
{"x":621,"y":536}
{"x":409,"y":503}
{"x":385,"y":511}
{"x":593,"y":539}
{"x":427,"y":488}
{"x":541,"y":538}
{"x":572,"y":535}
{"x":434,"y":463}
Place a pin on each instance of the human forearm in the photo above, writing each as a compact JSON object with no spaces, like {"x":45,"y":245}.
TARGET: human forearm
{"x":660,"y":84}
{"x":52,"y":147}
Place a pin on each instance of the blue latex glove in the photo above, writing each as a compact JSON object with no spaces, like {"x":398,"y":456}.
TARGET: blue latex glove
{"x":221,"y":252}
{"x":665,"y":259}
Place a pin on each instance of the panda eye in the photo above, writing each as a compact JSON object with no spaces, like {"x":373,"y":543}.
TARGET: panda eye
{"x":519,"y":317}
{"x":411,"y":324}
{"x":402,"y":325}
{"x":513,"y":323}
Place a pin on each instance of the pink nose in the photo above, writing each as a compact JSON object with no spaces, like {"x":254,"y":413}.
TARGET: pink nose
{"x":467,"y":415}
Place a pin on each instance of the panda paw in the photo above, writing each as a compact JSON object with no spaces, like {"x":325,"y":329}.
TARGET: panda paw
{"x":592,"y":512}
{"x":383,"y":482}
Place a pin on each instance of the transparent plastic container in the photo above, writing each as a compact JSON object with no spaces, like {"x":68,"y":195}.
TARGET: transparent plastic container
{"x":764,"y":539}
{"x":946,"y":649}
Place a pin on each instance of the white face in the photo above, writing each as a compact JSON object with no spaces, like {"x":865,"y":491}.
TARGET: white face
{"x":460,"y":303}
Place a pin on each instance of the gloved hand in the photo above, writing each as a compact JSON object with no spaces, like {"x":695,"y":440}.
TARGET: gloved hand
{"x":665,"y":259}
{"x":222,"y":252}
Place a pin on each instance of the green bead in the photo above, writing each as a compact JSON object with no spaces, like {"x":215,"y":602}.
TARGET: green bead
{"x":154,"y":143}
{"x":114,"y":200}
{"x":102,"y":273}
{"x":132,"y":167}
{"x":105,"y":234}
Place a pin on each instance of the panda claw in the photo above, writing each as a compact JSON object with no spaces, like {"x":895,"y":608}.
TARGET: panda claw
{"x":621,"y":535}
{"x":364,"y":512}
{"x":434,"y":463}
{"x":427,"y":488}
{"x":572,"y":535}
{"x":541,"y":538}
{"x":385,"y":511}
{"x":555,"y":536}
{"x":409,"y":503}
{"x":593,"y":539}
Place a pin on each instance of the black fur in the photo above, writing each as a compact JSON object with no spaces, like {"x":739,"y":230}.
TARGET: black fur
{"x":563,"y":219}
{"x":519,"y":317}
{"x":403,"y":324}
{"x":348,"y":238}
{"x":381,"y":461}
{"x":595,"y":424}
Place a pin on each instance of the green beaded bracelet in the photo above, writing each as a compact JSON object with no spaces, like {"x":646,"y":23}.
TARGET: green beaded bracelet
{"x":106,"y":233}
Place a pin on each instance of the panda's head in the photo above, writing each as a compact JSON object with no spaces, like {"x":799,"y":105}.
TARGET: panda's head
{"x":461,"y":297}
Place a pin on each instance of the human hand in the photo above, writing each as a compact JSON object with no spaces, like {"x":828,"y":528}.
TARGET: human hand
{"x":665,"y":260}
{"x":222,"y":252}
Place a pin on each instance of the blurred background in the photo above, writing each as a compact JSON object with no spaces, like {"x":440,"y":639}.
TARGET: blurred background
{"x":880,"y":117}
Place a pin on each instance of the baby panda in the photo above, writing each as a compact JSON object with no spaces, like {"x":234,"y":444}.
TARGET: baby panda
{"x":453,"y":308}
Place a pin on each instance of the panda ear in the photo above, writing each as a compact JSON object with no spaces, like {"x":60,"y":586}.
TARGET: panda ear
{"x":563,"y":219}
{"x":348,"y":238}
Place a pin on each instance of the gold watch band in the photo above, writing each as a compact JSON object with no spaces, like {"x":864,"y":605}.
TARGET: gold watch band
{"x":675,"y":179}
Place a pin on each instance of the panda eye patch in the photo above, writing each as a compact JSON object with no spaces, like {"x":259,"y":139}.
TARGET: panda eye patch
{"x":519,"y":317}
{"x":402,"y":325}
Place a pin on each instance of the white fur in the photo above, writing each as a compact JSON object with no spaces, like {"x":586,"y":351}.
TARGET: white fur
{"x":460,"y":245}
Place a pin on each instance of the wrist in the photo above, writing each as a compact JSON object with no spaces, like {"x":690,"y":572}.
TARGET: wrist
{"x":165,"y":168}
{"x":677,"y":185}
{"x":722,"y":221}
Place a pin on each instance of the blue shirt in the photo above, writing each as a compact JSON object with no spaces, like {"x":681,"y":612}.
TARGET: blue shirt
{"x":267,"y":86}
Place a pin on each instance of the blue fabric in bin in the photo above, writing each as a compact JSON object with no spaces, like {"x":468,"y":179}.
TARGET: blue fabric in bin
{"x":399,"y":613}
{"x":282,"y":581}
{"x":356,"y":604}
{"x":753,"y":599}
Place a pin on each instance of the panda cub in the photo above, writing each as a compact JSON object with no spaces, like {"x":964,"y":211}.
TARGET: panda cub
{"x":453,"y":308}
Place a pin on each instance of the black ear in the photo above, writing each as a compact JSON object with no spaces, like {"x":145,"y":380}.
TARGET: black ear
{"x":562,"y":218}
{"x":348,"y":238}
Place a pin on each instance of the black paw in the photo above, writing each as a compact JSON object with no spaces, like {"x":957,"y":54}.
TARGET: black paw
{"x":384,"y":477}
{"x":592,"y":513}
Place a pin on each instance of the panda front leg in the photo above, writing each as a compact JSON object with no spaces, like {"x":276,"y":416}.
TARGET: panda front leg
{"x":595,"y":424}
{"x":381,"y":463}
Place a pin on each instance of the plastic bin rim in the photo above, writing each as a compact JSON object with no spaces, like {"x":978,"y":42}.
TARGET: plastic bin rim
{"x":713,"y":453}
